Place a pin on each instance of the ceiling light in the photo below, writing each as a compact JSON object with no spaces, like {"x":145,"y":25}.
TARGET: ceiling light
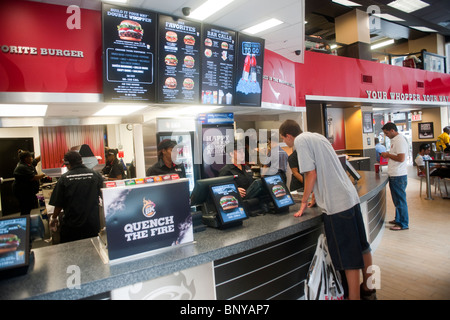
{"x":347,"y":3}
{"x":382,"y":44}
{"x":118,"y":110}
{"x":387,"y":16}
{"x":263,"y":26}
{"x":208,"y":8}
{"x":23,"y":110}
{"x":424,"y":29}
{"x":408,"y":6}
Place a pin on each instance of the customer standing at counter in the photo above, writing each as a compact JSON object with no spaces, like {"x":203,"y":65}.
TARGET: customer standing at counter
{"x":165,"y":164}
{"x":113,"y":169}
{"x":243,"y":173}
{"x":77,"y":192}
{"x":398,"y":178}
{"x":336,"y":195}
{"x":26,"y":183}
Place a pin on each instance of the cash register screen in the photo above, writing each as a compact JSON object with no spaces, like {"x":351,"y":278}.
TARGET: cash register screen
{"x":278,"y":191}
{"x":228,"y":202}
{"x":14,"y":242}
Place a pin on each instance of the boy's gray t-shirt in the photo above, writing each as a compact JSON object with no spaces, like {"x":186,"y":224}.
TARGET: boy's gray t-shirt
{"x":334,"y":191}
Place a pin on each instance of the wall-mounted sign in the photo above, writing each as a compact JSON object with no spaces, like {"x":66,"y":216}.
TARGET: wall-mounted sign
{"x":426,"y":130}
{"x":179,"y":60}
{"x":218,"y":60}
{"x":384,"y":95}
{"x":249,"y":74}
{"x":129,"y":43}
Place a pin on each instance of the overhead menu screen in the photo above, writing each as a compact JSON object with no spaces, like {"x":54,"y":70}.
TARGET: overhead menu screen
{"x":249,"y":66}
{"x":129,"y":42}
{"x":218,"y":60}
{"x":179,"y":60}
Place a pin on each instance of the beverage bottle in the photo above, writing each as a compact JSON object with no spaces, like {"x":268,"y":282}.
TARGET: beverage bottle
{"x":246,"y":70}
{"x":253,"y":68}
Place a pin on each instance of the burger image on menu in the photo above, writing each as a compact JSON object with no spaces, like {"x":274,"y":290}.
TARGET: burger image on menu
{"x":188,"y":83}
{"x":8,"y":243}
{"x":224,"y":45}
{"x":189,"y":40}
{"x":171,"y":60}
{"x":208,"y":42}
{"x":228,"y":203}
{"x":130,"y":30}
{"x":278,"y":191}
{"x":171,"y":83}
{"x":171,"y":36}
{"x":208,"y":53}
{"x":189,"y":61}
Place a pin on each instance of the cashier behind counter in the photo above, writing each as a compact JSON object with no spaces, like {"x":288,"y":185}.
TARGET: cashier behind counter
{"x":113,"y":168}
{"x":243,"y":174}
{"x":165,"y":164}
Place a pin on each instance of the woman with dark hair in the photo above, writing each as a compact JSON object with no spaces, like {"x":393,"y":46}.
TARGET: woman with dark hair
{"x":165,"y":165}
{"x":26,"y":183}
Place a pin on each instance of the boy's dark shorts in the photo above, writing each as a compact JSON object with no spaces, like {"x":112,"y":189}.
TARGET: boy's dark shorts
{"x":346,"y":238}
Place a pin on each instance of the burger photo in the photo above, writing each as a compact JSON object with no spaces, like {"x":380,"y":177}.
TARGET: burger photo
{"x":208,"y":53}
{"x":224,"y":45}
{"x":171,"y":83}
{"x":130,"y":30}
{"x":171,"y":36}
{"x":189,"y":61}
{"x":189,"y":40}
{"x":188,"y":83}
{"x":208,"y":42}
{"x":228,"y":203}
{"x":8,"y":243}
{"x":171,"y":60}
{"x":278,"y":191}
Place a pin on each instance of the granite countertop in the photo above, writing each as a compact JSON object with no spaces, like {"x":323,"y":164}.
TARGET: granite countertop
{"x":51,"y":273}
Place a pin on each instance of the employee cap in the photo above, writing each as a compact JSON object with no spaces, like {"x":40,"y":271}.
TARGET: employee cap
{"x":166,"y":144}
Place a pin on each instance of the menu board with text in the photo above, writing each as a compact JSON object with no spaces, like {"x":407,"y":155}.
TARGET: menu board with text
{"x":249,"y":66}
{"x":179,"y":60}
{"x":129,"y":42}
{"x":218,"y":61}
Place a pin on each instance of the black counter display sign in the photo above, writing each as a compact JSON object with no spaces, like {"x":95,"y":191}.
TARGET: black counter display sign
{"x":218,"y":61}
{"x":179,"y":60}
{"x":249,"y":66}
{"x":129,"y":44}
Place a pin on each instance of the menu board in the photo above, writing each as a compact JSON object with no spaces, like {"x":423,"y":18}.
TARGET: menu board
{"x":249,"y":66}
{"x":129,"y":42}
{"x":218,"y":60}
{"x":228,"y":203}
{"x":179,"y":60}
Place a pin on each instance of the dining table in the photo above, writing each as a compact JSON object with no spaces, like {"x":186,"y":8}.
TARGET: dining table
{"x":444,"y":162}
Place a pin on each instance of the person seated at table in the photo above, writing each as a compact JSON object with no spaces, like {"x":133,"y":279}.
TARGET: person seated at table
{"x":435,"y":170}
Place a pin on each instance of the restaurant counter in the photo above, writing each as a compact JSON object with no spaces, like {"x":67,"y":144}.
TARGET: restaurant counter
{"x":265,"y":258}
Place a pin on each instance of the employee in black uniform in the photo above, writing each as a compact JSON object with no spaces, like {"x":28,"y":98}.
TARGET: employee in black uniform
{"x":243,"y":173}
{"x":26,"y":183}
{"x":165,"y":164}
{"x":113,"y":168}
{"x":77,"y":192}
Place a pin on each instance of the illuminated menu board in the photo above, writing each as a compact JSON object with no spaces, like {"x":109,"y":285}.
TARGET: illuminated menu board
{"x":129,"y":42}
{"x":179,"y":60}
{"x":218,"y":61}
{"x":249,"y":71}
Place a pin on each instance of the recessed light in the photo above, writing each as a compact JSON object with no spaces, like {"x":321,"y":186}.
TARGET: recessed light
{"x":263,"y":26}
{"x":23,"y":110}
{"x":382,"y":44}
{"x":424,"y":29}
{"x":347,"y":3}
{"x":208,"y":8}
{"x":408,"y":6}
{"x":387,"y":16}
{"x":118,"y":110}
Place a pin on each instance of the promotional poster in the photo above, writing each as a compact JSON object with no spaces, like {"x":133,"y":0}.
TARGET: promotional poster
{"x":218,"y":50}
{"x":278,"y":191}
{"x":145,"y":217}
{"x":13,"y":242}
{"x":249,"y":74}
{"x":228,"y":204}
{"x":129,"y":42}
{"x":179,"y":60}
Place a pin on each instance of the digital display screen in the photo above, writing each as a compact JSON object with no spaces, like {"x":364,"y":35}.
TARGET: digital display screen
{"x":228,"y":203}
{"x":218,"y":60}
{"x":249,"y":71}
{"x":14,"y":242}
{"x":278,"y":191}
{"x":179,"y":60}
{"x":129,"y":42}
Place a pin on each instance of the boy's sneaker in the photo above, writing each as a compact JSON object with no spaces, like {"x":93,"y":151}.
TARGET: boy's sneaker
{"x":367,"y":295}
